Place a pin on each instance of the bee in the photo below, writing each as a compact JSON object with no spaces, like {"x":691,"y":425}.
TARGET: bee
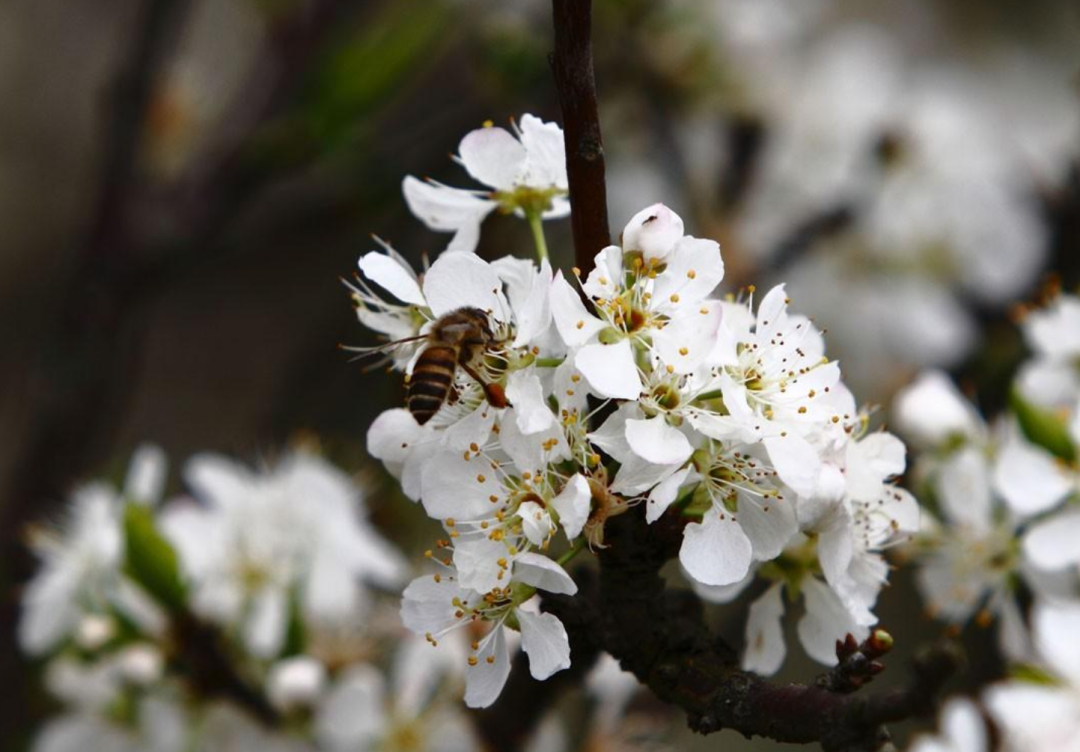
{"x":457,"y":339}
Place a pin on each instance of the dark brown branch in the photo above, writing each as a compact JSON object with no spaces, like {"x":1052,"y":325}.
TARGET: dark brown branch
{"x":572,"y":65}
{"x":661,"y":637}
{"x":203,"y":659}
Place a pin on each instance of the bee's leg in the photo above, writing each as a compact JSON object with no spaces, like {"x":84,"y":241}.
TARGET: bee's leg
{"x":495,"y":394}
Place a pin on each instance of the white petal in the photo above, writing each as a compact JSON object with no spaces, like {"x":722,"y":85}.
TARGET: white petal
{"x":769,"y":524}
{"x":690,"y":336}
{"x":533,"y":315}
{"x":962,"y":724}
{"x":264,"y":632}
{"x":330,"y":591}
{"x":474,"y":428}
{"x":610,"y":369}
{"x":797,"y":463}
{"x":1053,"y":543}
{"x":963,"y":488}
{"x":457,"y":487}
{"x":445,"y":209}
{"x":654,"y":231}
{"x":544,"y":640}
{"x":693,"y":271}
{"x":771,"y":313}
{"x":427,"y":605}
{"x":466,"y":237}
{"x":392,"y":436}
{"x":932,"y":409}
{"x":664,"y":495}
{"x":545,"y":163}
{"x":484,"y":682}
{"x":724,"y":593}
{"x":825,"y":622}
{"x":715,"y":551}
{"x":1056,"y":628}
{"x":532,"y":451}
{"x":835,"y":546}
{"x":655,"y":440}
{"x":146,"y":474}
{"x":871,"y":461}
{"x":575,"y":324}
{"x":389,"y":274}
{"x":606,"y":278}
{"x":1033,"y":717}
{"x":353,"y":716}
{"x":765,"y":648}
{"x":493,"y":156}
{"x":526,"y":394}
{"x":543,"y":574}
{"x":535,"y":522}
{"x":477,"y":564}
{"x":217,"y":480}
{"x":1029,"y":477}
{"x":573,"y":505}
{"x":636,"y":475}
{"x":460,"y":280}
{"x":611,"y":436}
{"x":1013,"y":636}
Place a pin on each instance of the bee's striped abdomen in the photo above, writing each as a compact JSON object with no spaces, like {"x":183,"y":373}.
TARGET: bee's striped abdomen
{"x":430,"y":381}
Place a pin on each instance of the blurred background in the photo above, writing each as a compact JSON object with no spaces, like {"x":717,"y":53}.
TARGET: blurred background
{"x":183,"y":183}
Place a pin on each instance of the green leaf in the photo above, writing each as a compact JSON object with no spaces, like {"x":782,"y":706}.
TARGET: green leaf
{"x":150,"y":560}
{"x":1042,"y":427}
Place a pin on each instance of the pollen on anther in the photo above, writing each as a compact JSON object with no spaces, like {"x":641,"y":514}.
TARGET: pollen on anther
{"x":490,"y":659}
{"x":691,"y":274}
{"x":684,"y":351}
{"x":674,"y":298}
{"x":472,"y":660}
{"x":580,"y":324}
{"x":480,"y":479}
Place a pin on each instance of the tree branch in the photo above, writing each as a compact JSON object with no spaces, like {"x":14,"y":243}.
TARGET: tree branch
{"x":661,"y":637}
{"x":575,"y":82}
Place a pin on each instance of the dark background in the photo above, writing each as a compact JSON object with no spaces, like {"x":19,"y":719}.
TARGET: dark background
{"x":182,"y":184}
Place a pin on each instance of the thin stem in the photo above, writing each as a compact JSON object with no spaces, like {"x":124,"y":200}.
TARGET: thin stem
{"x":536,"y":224}
{"x":569,"y":554}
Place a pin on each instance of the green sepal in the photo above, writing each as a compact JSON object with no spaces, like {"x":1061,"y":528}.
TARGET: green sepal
{"x":1042,"y":427}
{"x":150,"y":560}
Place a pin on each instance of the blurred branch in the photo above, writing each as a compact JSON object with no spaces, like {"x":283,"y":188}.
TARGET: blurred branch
{"x":201,"y":655}
{"x":575,"y":82}
{"x":84,"y":375}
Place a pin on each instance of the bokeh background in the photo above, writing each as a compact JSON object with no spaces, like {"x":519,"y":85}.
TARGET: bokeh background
{"x":183,"y":183}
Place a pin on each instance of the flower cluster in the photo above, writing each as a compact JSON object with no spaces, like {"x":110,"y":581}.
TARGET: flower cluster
{"x":1038,"y":710}
{"x":1004,"y":493}
{"x":542,"y":405}
{"x":245,"y":616}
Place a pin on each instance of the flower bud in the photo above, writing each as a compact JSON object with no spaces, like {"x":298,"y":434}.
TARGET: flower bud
{"x":93,"y":631}
{"x":654,"y":231}
{"x":141,"y":665}
{"x":295,"y":682}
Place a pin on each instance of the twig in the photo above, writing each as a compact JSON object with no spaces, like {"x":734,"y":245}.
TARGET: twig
{"x":572,"y":66}
{"x":661,"y":637}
